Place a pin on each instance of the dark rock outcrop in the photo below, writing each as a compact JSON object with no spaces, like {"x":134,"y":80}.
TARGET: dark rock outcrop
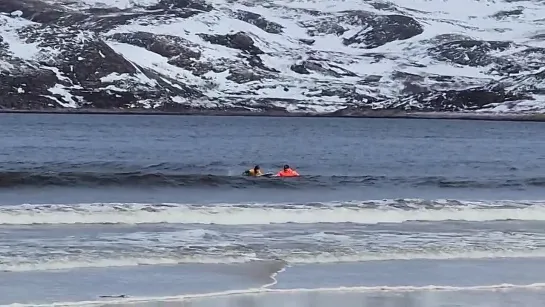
{"x":380,"y":30}
{"x":169,"y":5}
{"x":453,"y":100}
{"x":260,"y":22}
{"x":480,"y":54}
{"x":3,"y":46}
{"x":505,"y":14}
{"x":27,"y":91}
{"x":239,"y":40}
{"x":469,"y":52}
{"x":165,"y":45}
{"x":305,"y":67}
{"x":526,"y":84}
{"x":179,"y":52}
{"x":375,"y":30}
{"x":34,"y":10}
{"x":307,"y":41}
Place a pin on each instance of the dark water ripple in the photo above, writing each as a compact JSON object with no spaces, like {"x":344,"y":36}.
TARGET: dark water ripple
{"x":345,"y":159}
{"x":99,"y":178}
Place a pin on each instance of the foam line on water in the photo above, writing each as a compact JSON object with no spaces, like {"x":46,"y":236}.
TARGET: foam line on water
{"x":365,"y":212}
{"x":394,"y":289}
{"x":274,"y":280}
{"x":63,"y":264}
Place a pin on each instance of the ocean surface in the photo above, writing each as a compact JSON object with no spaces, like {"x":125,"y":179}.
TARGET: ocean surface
{"x":108,"y":210}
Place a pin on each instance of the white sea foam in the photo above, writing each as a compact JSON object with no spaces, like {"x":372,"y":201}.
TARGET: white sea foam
{"x":247,"y":214}
{"x":24,"y":265}
{"x":66,"y":264}
{"x":249,"y":232}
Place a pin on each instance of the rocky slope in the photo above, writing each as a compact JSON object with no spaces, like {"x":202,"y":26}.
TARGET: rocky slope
{"x":273,"y":55}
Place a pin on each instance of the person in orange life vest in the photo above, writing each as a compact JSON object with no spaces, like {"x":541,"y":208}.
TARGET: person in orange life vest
{"x":287,"y":172}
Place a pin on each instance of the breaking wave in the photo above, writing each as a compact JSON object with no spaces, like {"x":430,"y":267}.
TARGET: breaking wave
{"x":26,"y":265}
{"x":361,"y":212}
{"x":139,"y":178}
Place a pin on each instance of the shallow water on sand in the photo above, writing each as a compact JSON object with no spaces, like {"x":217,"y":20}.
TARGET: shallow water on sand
{"x":402,"y":212}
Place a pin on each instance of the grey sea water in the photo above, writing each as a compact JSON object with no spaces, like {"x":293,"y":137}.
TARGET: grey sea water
{"x":105,"y":210}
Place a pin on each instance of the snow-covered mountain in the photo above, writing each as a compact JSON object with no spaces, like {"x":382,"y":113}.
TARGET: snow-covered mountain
{"x":273,"y":55}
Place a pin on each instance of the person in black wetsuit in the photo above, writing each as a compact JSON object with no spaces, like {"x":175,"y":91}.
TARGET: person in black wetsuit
{"x":254,"y":172}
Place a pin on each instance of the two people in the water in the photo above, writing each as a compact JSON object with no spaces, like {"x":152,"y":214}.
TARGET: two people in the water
{"x":286,"y":171}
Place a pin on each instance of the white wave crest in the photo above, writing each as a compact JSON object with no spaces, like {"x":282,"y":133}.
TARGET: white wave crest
{"x":67,"y":264}
{"x":244,"y":214}
{"x":322,"y":258}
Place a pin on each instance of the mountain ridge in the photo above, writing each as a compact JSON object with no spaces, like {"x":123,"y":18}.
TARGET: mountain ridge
{"x":273,"y":57}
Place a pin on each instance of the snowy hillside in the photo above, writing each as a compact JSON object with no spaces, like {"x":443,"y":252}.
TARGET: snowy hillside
{"x":273,"y":55}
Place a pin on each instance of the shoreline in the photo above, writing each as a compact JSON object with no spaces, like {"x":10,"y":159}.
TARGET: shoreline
{"x":386,"y":114}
